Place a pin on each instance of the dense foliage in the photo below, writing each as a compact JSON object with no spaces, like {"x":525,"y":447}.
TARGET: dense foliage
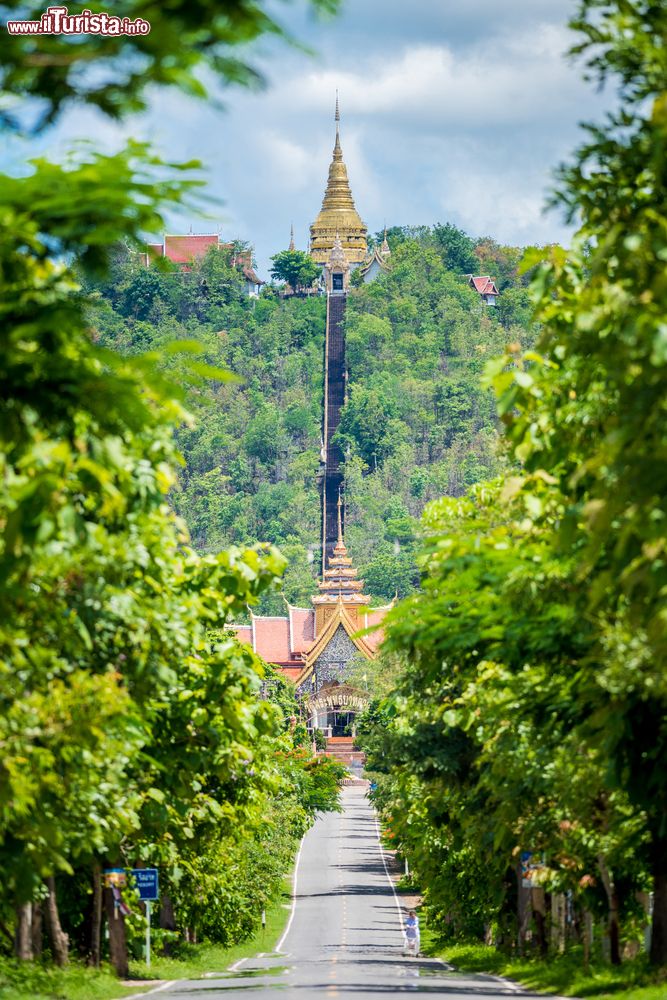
{"x":530,"y":715}
{"x":134,"y":730}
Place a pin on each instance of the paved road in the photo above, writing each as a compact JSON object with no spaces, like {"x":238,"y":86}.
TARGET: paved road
{"x":344,"y":939}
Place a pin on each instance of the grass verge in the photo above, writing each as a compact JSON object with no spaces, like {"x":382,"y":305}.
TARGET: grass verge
{"x":29,"y":981}
{"x":193,"y":961}
{"x":563,"y":975}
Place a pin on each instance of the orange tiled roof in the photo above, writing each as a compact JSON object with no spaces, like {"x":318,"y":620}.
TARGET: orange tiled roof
{"x":270,"y":638}
{"x":185,"y":249}
{"x":291,"y":673}
{"x":243,"y":633}
{"x":483,"y":284}
{"x":375,"y":616}
{"x":302,"y":629}
{"x":286,"y":641}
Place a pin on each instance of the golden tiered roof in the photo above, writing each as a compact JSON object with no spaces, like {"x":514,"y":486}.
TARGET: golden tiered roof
{"x":340,"y":579}
{"x":338,"y":216}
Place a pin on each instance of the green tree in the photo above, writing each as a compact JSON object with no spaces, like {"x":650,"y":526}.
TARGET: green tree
{"x":588,"y":407}
{"x":296,"y":268}
{"x":457,"y":248}
{"x":104,"y":607}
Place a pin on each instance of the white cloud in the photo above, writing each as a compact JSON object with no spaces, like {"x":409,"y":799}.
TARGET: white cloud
{"x":508,"y":80}
{"x":450,"y":112}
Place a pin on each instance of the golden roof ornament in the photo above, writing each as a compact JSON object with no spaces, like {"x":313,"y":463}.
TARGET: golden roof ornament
{"x":291,"y":237}
{"x":338,"y":215}
{"x":337,"y":258}
{"x":384,"y":249}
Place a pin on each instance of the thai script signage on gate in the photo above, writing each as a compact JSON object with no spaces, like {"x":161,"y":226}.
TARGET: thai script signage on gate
{"x":339,"y":696}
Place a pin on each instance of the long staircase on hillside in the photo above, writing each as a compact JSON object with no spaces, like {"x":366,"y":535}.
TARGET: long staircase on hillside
{"x":334,"y":397}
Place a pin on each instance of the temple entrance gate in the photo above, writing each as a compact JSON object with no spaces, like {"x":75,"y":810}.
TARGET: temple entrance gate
{"x":334,"y":709}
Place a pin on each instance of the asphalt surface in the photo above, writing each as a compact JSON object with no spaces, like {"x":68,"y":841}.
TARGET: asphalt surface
{"x":344,"y":938}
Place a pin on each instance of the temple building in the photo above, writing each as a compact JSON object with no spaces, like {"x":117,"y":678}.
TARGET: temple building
{"x":185,"y":250}
{"x":322,"y":649}
{"x":339,"y":236}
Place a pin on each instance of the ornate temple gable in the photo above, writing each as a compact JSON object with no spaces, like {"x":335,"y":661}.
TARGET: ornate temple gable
{"x":338,"y":215}
{"x":338,"y":652}
{"x":312,"y":646}
{"x":377,"y":261}
{"x":331,"y":663}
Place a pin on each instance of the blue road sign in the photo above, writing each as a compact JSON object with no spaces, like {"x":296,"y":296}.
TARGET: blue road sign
{"x":146,"y":882}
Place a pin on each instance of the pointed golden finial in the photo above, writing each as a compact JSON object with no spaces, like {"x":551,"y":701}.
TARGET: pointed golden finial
{"x":338,"y":153}
{"x":291,"y":237}
{"x":338,"y":211}
{"x":340,"y":519}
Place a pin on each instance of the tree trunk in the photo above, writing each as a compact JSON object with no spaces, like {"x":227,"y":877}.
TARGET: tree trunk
{"x":96,"y":918}
{"x":37,"y":929}
{"x":659,"y":926}
{"x":167,"y":920}
{"x":588,"y":938}
{"x":117,"y":938}
{"x":540,"y":918}
{"x":612,"y":901}
{"x":523,"y":911}
{"x":57,"y":936}
{"x":558,"y":922}
{"x":23,"y":943}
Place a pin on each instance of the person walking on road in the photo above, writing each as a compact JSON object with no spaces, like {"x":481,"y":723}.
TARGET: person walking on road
{"x":411,"y":932}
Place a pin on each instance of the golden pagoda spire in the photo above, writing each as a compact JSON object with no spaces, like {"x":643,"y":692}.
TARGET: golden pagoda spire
{"x":291,"y":237}
{"x":339,"y":585}
{"x":338,"y":216}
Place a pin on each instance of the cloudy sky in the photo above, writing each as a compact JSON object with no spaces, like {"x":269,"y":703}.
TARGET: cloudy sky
{"x":451,"y":111}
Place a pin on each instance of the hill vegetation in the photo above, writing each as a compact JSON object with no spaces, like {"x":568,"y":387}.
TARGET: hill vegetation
{"x":417,"y":423}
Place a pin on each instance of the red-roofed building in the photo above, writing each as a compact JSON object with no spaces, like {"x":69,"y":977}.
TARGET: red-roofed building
{"x":183,"y":250}
{"x":485,"y":287}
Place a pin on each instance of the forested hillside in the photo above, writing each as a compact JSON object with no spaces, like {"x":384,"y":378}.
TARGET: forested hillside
{"x":417,"y":423}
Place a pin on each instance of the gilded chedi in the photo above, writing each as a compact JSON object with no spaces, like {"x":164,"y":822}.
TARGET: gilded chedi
{"x":338,"y":217}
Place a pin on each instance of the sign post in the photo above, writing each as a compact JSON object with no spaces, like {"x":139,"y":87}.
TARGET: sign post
{"x":148,"y":933}
{"x":146,"y":881}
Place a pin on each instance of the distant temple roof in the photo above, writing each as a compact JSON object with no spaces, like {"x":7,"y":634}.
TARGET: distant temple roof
{"x":482,"y":284}
{"x":378,"y":257}
{"x":185,"y":249}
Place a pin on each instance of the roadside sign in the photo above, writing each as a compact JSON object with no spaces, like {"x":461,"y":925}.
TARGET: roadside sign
{"x":146,"y":881}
